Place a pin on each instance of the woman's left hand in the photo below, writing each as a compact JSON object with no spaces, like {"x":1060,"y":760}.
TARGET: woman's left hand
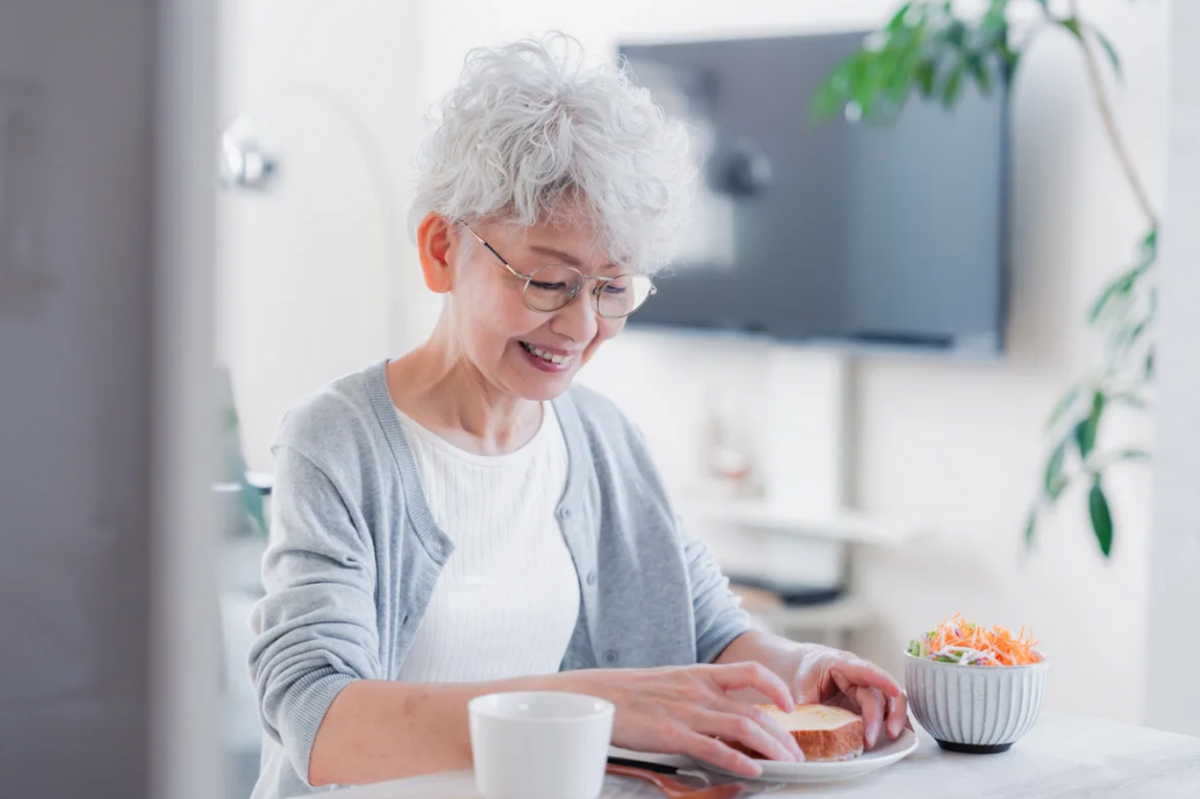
{"x":833,"y":677}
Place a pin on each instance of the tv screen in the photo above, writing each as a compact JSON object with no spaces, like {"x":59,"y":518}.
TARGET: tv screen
{"x":844,"y":231}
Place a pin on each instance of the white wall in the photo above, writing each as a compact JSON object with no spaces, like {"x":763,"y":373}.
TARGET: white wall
{"x":1174,"y":693}
{"x":309,"y":274}
{"x":956,"y":445}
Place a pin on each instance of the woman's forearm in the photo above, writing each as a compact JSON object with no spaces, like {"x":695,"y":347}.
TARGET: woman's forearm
{"x":377,"y":730}
{"x":775,"y":652}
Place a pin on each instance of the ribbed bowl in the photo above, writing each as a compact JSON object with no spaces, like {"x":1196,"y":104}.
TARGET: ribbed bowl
{"x":977,"y":709}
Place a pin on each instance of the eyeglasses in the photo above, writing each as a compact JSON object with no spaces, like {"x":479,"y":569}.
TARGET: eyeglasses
{"x":553,"y":287}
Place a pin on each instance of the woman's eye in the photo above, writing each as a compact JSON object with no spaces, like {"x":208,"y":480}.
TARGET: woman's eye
{"x":548,"y":286}
{"x":611,"y":289}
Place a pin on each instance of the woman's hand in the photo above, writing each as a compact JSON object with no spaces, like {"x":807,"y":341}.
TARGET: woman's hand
{"x":684,"y":710}
{"x":833,"y":677}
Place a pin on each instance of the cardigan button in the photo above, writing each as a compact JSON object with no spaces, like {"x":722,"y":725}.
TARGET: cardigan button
{"x":564,"y":513}
{"x":591,"y":578}
{"x":611,"y":656}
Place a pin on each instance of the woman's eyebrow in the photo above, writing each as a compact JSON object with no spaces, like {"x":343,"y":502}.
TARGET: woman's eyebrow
{"x":561,"y":255}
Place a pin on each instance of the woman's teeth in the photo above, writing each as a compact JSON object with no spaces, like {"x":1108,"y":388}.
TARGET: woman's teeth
{"x":547,"y":356}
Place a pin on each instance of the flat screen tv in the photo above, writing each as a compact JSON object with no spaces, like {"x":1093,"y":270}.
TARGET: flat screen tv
{"x":845,"y":232}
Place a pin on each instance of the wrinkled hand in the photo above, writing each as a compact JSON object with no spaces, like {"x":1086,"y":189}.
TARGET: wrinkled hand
{"x":833,"y":677}
{"x":684,"y":710}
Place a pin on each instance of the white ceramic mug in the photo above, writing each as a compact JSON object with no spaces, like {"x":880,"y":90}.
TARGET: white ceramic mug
{"x":540,"y":745}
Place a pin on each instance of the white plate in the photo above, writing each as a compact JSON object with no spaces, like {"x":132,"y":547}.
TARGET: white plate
{"x":886,"y":755}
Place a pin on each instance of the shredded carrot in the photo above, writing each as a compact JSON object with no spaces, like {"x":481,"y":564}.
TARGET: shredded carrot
{"x":957,"y":640}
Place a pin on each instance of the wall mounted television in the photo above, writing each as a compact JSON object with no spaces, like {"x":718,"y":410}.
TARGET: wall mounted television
{"x":846,"y":232}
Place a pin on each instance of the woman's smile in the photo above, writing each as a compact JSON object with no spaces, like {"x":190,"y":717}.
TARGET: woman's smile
{"x":549,"y":359}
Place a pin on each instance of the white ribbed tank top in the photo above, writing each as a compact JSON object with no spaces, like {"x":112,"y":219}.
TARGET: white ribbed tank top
{"x":507,"y":599}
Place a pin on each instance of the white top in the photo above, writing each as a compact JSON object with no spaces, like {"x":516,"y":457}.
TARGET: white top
{"x":507,"y":599}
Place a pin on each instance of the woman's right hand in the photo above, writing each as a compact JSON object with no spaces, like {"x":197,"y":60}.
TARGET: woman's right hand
{"x":685,"y":709}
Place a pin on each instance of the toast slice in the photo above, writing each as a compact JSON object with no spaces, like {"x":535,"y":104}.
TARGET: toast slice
{"x":823,"y":733}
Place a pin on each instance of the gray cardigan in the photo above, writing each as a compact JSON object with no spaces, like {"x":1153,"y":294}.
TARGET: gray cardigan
{"x":354,"y":555}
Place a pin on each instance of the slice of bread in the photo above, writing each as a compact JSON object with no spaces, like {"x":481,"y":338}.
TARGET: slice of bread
{"x":823,"y":733}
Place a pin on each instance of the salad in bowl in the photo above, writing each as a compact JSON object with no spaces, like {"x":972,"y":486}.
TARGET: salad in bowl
{"x":965,"y":643}
{"x":975,"y":689}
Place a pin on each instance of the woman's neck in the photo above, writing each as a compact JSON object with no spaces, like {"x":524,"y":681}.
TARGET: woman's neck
{"x":445,"y":394}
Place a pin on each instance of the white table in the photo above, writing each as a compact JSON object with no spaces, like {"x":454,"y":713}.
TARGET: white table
{"x":1063,"y":756}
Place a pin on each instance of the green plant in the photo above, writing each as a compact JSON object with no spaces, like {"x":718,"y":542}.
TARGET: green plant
{"x":928,"y":49}
{"x":249,"y":495}
{"x":233,"y":474}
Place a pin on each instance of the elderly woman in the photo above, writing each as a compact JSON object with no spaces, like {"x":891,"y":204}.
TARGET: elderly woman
{"x":460,"y":520}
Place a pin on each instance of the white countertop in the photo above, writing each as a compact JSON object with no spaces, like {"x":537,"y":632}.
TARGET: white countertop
{"x":1062,"y":756}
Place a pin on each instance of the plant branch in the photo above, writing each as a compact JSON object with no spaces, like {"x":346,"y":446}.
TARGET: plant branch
{"x":1104,"y":106}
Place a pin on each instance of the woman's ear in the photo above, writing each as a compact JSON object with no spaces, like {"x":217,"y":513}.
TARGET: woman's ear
{"x":435,"y":236}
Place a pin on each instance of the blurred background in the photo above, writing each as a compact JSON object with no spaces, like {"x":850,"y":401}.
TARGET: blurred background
{"x":924,"y":350}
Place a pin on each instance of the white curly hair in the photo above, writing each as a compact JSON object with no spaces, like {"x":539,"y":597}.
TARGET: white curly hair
{"x":534,"y":132}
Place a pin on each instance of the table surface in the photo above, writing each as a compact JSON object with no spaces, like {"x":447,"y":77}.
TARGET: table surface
{"x":1062,"y":756}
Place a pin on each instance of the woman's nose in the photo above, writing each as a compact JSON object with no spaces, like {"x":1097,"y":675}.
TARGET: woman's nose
{"x":577,"y":320}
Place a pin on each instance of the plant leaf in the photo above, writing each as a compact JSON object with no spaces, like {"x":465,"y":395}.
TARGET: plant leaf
{"x":1031,"y":527}
{"x":903,"y":75}
{"x":1054,"y":481}
{"x":1131,"y":454}
{"x":1085,"y":431}
{"x":1122,"y":286}
{"x":1150,"y":242}
{"x":924,"y":74}
{"x":1119,"y":288}
{"x":1072,"y":25}
{"x":979,"y":71}
{"x":994,"y":17}
{"x":1064,"y":404}
{"x":955,"y":32}
{"x":1128,"y":398}
{"x":864,"y":82}
{"x":837,"y":88}
{"x":953,"y":85}
{"x":1112,"y":54}
{"x":1011,"y":58}
{"x":1128,"y":335}
{"x":1102,"y":524}
{"x":896,"y":23}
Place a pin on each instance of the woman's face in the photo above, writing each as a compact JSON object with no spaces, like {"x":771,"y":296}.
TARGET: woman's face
{"x":525,"y":353}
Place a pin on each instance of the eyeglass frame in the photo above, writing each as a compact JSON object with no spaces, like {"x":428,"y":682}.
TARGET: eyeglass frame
{"x":601,"y":282}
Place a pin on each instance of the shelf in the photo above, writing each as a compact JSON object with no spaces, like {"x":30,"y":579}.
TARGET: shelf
{"x":844,"y":525}
{"x":847,"y":614}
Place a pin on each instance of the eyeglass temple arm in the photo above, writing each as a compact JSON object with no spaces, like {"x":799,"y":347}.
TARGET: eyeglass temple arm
{"x":499,"y":257}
